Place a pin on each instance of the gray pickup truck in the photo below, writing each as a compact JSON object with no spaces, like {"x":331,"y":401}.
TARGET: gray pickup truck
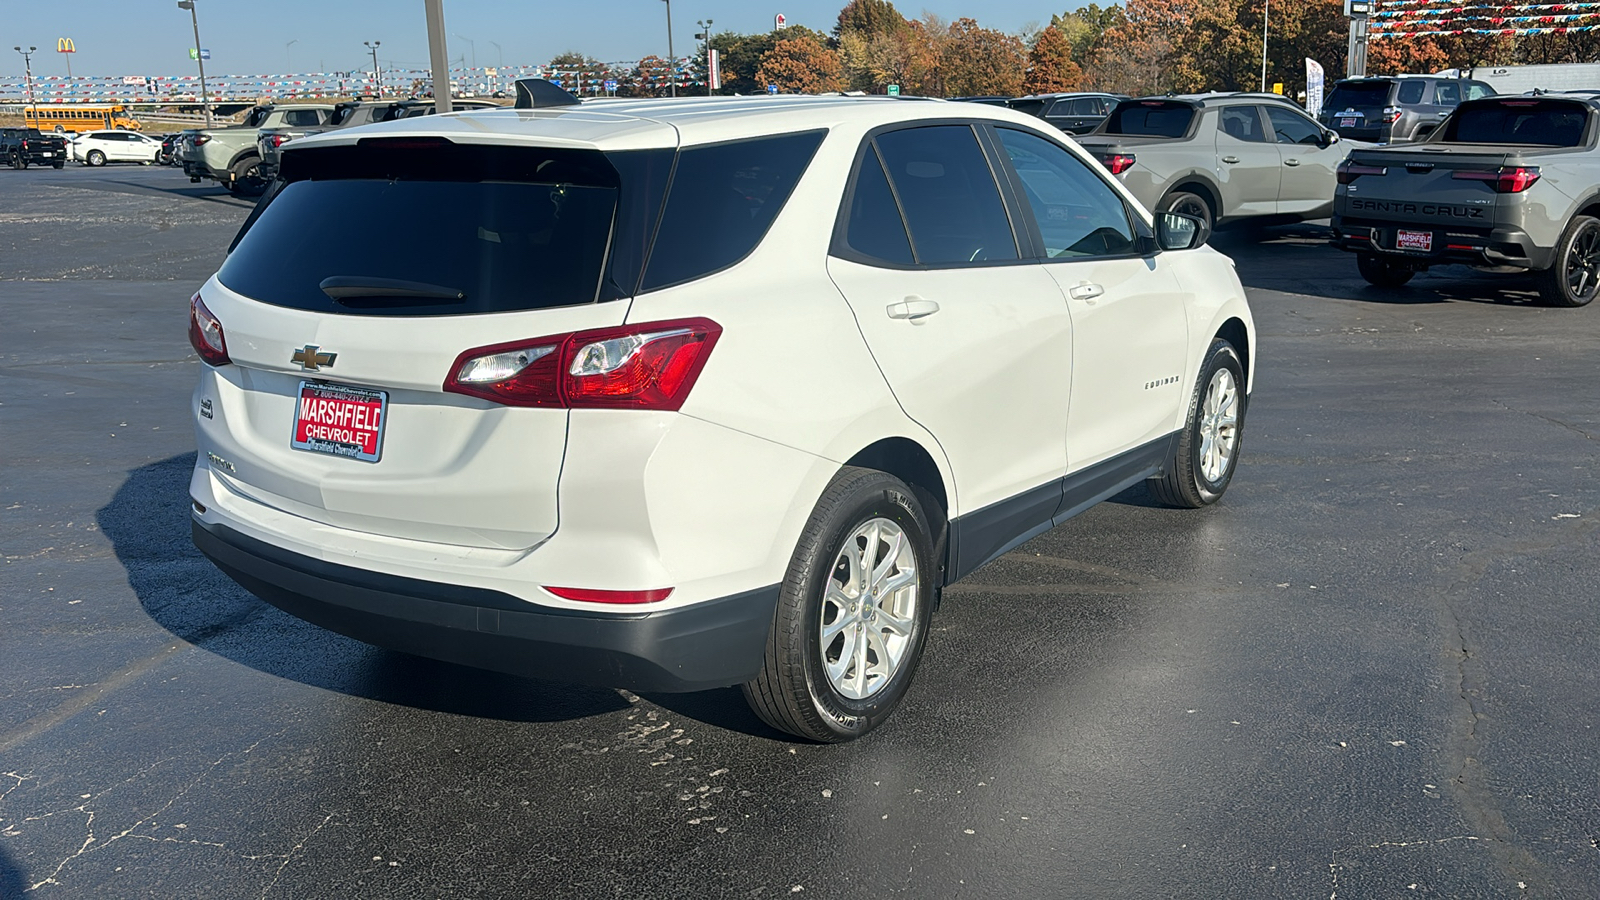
{"x":1505,"y":182}
{"x":348,"y":114}
{"x":229,"y":154}
{"x":1221,"y":158}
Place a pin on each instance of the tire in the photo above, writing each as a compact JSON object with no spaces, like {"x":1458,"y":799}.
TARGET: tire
{"x":95,"y":158}
{"x":58,"y":165}
{"x":1191,"y":205}
{"x":1207,"y":454}
{"x":1574,"y":274}
{"x":16,"y":161}
{"x":1382,"y":273}
{"x":826,"y":689}
{"x":60,"y":130}
{"x":246,"y":180}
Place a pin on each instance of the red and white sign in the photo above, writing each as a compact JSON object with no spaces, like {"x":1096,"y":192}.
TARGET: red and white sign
{"x":1414,"y":240}
{"x":340,"y":420}
{"x":779,"y":21}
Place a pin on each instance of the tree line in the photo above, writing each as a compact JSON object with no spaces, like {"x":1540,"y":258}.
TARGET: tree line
{"x":1137,"y":48}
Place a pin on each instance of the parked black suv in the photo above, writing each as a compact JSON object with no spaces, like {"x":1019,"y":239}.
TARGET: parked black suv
{"x":24,"y":147}
{"x":1392,"y":110}
{"x":1078,"y":113}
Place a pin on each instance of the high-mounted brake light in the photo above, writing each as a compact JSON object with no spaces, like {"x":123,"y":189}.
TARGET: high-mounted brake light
{"x":1505,"y":180}
{"x":205,"y":333}
{"x":649,"y":366}
{"x":1349,"y":171}
{"x":1117,"y":163}
{"x":589,"y":595}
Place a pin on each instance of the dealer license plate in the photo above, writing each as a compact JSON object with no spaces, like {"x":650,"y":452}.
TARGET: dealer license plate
{"x":48,"y":153}
{"x":1347,"y":121}
{"x":340,"y":420}
{"x":1414,"y":240}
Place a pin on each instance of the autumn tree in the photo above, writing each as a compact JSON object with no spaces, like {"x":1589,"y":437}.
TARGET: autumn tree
{"x":867,"y":30}
{"x":868,"y":19}
{"x":742,"y":55}
{"x":1050,"y":65}
{"x":801,"y":65}
{"x":1083,"y":27}
{"x":573,"y":71}
{"x":651,"y":78}
{"x":981,"y":61}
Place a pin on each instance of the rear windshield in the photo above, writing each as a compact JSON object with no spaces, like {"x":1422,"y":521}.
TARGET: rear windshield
{"x":403,"y":227}
{"x":1546,"y":123}
{"x":1027,"y":105}
{"x":1358,"y":95}
{"x":1156,"y":118}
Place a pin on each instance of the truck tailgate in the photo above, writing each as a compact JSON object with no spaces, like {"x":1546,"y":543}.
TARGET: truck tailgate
{"x":1421,"y":186}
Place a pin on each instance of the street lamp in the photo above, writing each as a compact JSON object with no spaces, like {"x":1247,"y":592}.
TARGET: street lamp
{"x":287,"y":55}
{"x":1265,"y":6}
{"x":705,"y":36}
{"x":199,"y":58}
{"x":473,"y":47}
{"x":672,"y":59}
{"x":377,"y":76}
{"x":27,"y":65}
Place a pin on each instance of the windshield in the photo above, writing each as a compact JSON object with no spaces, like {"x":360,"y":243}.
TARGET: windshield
{"x":1544,"y":123}
{"x":1155,"y":118}
{"x":1358,"y":95}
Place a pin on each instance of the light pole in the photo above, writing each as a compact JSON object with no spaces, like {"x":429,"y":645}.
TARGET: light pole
{"x":1265,"y":6}
{"x":288,"y":56}
{"x":199,"y":58}
{"x":377,"y":75}
{"x":705,"y":36}
{"x":501,"y":64}
{"x":672,"y":60}
{"x":472,"y":47}
{"x":27,"y":65}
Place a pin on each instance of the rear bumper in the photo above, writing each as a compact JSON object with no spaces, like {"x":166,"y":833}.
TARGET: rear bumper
{"x":1475,"y":247}
{"x":705,"y":645}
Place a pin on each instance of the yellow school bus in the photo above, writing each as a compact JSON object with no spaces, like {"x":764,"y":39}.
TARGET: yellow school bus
{"x":80,"y":117}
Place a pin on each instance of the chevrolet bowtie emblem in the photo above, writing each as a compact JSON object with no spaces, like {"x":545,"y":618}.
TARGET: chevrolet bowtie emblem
{"x":311,"y":360}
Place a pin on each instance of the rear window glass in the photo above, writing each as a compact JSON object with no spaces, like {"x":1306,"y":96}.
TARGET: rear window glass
{"x":487,"y":229}
{"x":723,"y":199}
{"x":1156,"y":118}
{"x":1030,"y":106}
{"x":1548,"y":123}
{"x":1358,"y":95}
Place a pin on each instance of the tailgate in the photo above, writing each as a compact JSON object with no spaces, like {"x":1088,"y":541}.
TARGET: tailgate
{"x":1420,"y":186}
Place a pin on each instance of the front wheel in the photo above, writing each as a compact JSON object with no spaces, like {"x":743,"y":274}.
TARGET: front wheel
{"x":16,"y":161}
{"x":853,"y":612}
{"x":96,"y":158}
{"x":1382,"y":273}
{"x":1574,"y":275}
{"x":1208,"y":448}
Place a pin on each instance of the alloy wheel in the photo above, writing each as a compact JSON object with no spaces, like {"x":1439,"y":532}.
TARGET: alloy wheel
{"x":869,"y":608}
{"x":1583,"y":263}
{"x":1219,"y":426}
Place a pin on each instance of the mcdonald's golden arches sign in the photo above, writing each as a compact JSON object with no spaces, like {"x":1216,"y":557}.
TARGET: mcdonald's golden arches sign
{"x":64,"y":45}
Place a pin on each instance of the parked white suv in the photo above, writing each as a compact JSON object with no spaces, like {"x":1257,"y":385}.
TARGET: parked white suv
{"x":686,"y":394}
{"x":96,"y":148}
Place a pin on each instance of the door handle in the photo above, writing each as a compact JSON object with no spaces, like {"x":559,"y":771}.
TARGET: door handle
{"x":1230,"y":159}
{"x":1291,"y":162}
{"x":1085,"y":291}
{"x":913,"y":308}
{"x":1443,"y":114}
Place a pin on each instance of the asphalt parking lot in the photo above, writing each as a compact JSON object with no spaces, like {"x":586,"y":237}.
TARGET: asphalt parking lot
{"x":1370,"y":671}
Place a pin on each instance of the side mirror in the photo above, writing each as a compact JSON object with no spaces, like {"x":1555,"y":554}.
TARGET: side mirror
{"x":1329,"y":138}
{"x":1176,"y":231}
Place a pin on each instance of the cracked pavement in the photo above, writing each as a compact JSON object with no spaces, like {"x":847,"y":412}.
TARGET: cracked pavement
{"x":1369,"y":671}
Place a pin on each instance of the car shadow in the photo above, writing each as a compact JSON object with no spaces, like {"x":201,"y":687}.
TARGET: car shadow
{"x":147,"y":523}
{"x":188,"y":191}
{"x":13,"y":882}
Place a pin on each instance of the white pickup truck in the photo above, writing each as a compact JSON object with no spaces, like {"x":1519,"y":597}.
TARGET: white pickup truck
{"x":229,"y":154}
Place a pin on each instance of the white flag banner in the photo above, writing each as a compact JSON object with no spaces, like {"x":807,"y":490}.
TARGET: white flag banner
{"x":1314,"y":87}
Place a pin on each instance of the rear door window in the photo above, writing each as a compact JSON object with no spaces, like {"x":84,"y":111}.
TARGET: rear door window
{"x":1411,"y":91}
{"x":1547,"y":123}
{"x":1155,"y":118}
{"x":723,"y":199}
{"x":948,"y":194}
{"x":1447,"y":93}
{"x":1242,"y":122}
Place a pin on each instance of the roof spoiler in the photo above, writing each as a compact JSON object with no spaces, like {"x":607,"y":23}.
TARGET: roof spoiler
{"x":537,"y":93}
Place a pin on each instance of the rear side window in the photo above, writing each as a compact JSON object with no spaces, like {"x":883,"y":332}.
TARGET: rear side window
{"x":1546,"y":123}
{"x":1411,"y":91}
{"x":1155,"y":118}
{"x":723,"y":199}
{"x":948,"y":194}
{"x":487,"y":229}
{"x":1242,"y":122}
{"x":875,"y":228}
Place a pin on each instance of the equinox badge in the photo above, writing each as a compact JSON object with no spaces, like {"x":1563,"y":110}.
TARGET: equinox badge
{"x":311,"y":360}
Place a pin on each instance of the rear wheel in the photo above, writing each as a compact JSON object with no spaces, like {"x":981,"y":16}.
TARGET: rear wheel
{"x":246,"y":180}
{"x":1381,"y":272}
{"x":1208,"y":450}
{"x":853,"y":612}
{"x":58,"y":164}
{"x":16,"y":161}
{"x":1188,"y":204}
{"x":1574,"y":275}
{"x":96,"y":158}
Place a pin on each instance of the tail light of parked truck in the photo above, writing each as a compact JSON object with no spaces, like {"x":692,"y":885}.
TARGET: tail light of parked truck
{"x":649,"y":366}
{"x":1349,"y":171}
{"x":1504,"y":180}
{"x":1117,"y":163}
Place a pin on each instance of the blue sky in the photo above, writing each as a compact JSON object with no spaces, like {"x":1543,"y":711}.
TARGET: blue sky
{"x":152,"y":37}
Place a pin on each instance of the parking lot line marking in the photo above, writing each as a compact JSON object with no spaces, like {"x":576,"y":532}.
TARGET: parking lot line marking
{"x":45,"y":721}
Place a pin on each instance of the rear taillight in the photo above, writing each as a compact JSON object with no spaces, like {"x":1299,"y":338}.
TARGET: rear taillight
{"x":650,"y":366}
{"x":1349,"y":171}
{"x":205,"y":333}
{"x":1391,"y":114}
{"x":589,"y":595}
{"x":1505,"y":180}
{"x":1117,"y":163}
{"x":199,"y":139}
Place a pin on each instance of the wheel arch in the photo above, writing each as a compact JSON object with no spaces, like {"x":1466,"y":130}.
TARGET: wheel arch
{"x":1194,"y":183}
{"x":910,"y":462}
{"x":243,"y":155}
{"x":1236,"y":333}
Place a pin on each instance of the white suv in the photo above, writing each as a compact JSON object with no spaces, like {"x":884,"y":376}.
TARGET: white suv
{"x":673,"y":395}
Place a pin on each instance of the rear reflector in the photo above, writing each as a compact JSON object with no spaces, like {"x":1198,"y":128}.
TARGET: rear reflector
{"x":649,"y":366}
{"x":590,"y":595}
{"x":205,"y":334}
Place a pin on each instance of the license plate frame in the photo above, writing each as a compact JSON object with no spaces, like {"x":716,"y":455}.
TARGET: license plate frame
{"x":323,"y":428}
{"x":1347,"y":121}
{"x":1413,"y":241}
